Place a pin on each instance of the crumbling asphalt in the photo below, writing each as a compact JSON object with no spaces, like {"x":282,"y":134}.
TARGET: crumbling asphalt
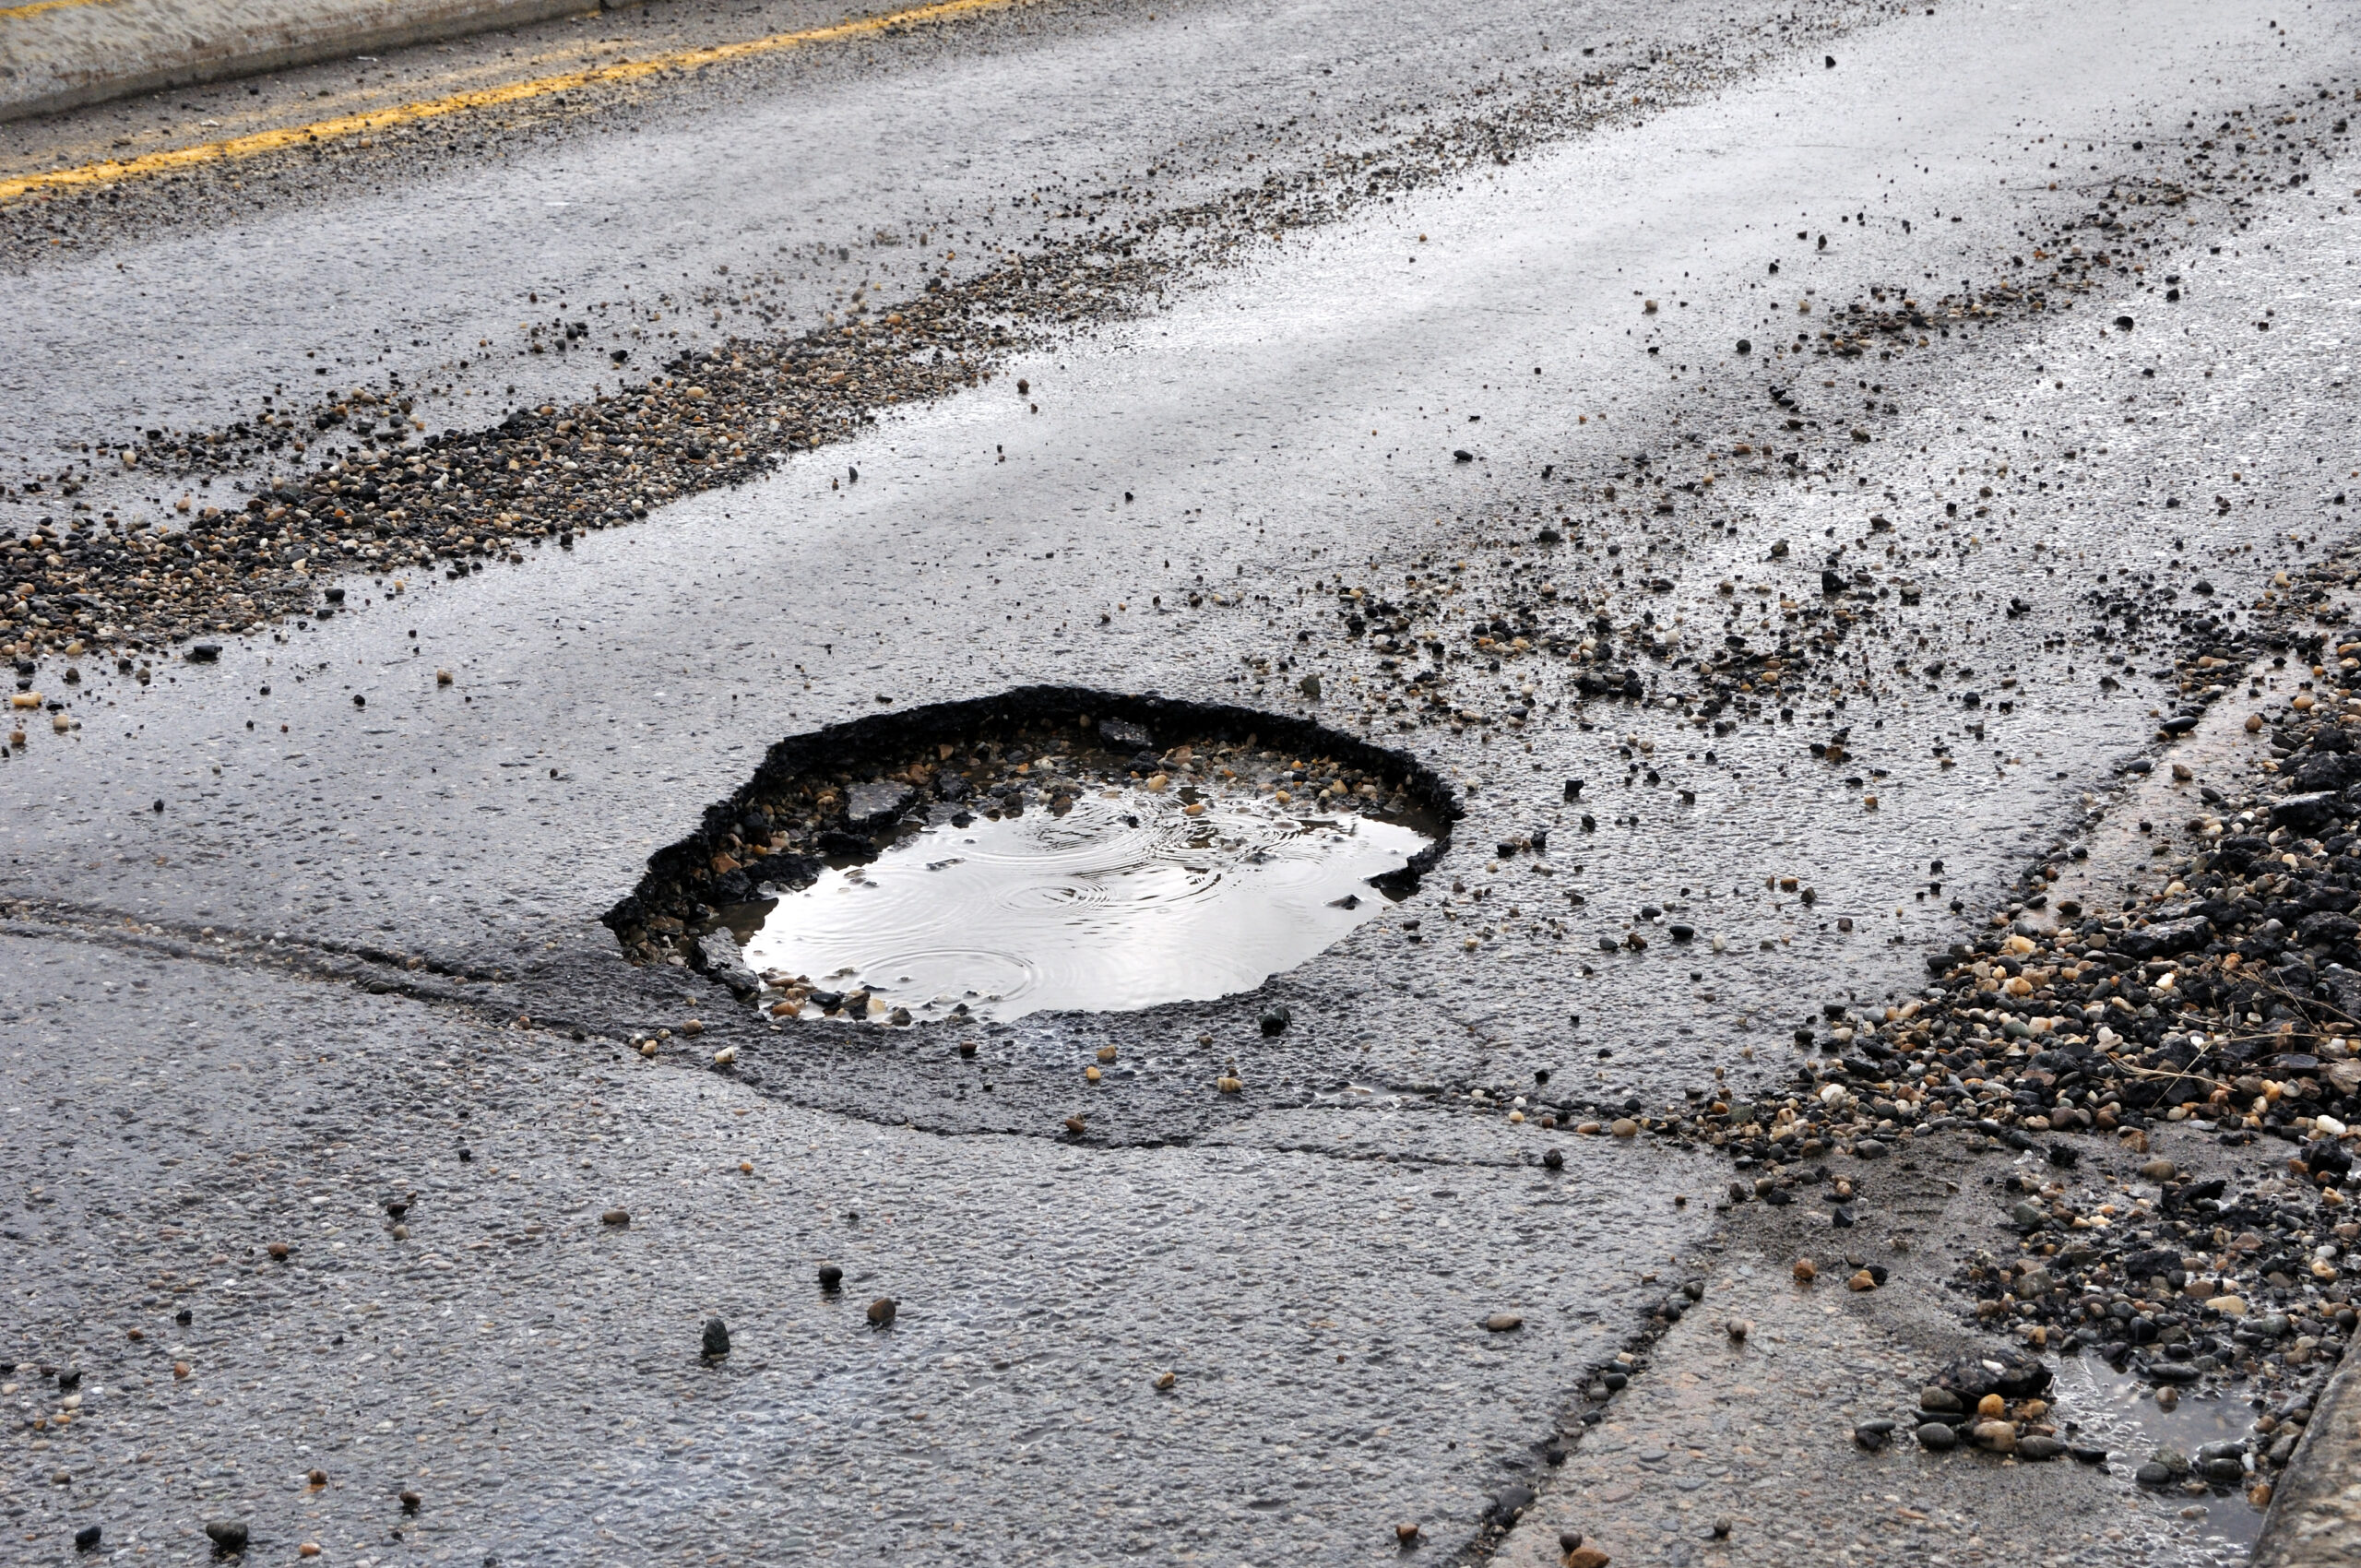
{"x":404,"y":875}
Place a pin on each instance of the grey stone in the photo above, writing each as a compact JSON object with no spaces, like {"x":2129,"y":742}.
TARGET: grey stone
{"x":875,"y":805}
{"x":718,"y":954}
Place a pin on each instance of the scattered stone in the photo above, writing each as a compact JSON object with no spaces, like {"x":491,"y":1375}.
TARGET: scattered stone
{"x":1874,"y":1435}
{"x":1504,"y":1323}
{"x":1937,"y":1436}
{"x":615,"y":1216}
{"x":882,"y":1311}
{"x":227,"y":1535}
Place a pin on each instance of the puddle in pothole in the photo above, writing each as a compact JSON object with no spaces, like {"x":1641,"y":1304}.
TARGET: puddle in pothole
{"x":1124,"y":900}
{"x":2119,"y":1413}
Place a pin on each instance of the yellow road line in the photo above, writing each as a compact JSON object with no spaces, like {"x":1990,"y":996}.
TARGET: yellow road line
{"x":16,"y":13}
{"x":114,"y":170}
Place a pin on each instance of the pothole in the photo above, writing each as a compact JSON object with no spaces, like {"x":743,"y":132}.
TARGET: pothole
{"x":1055,"y":848}
{"x":2120,"y":1414}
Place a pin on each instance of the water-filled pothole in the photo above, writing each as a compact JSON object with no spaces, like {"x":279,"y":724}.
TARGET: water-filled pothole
{"x":1120,"y":901}
{"x":2119,"y":1413}
{"x":1055,"y":848}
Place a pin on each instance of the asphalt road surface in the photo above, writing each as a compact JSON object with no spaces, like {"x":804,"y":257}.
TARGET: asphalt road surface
{"x":1654,"y":327}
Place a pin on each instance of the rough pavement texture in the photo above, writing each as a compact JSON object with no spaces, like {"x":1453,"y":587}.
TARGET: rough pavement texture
{"x":530,"y":1370}
{"x":423,"y":863}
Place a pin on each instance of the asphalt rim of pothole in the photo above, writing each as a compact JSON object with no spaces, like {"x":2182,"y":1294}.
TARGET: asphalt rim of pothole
{"x":688,"y":880}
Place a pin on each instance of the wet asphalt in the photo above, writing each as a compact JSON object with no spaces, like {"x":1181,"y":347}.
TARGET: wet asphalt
{"x":216,"y":1041}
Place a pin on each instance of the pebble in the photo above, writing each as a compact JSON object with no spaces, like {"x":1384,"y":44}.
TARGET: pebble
{"x":1936,"y":1436}
{"x":715,"y":1343}
{"x":831,"y":1276}
{"x":1504,"y":1323}
{"x":618,"y":1216}
{"x":87,"y":1537}
{"x":1998,"y":1436}
{"x":882,"y":1311}
{"x":227,"y":1535}
{"x":1806,"y":1271}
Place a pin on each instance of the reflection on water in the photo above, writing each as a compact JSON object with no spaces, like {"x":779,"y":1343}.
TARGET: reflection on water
{"x":2120,"y":1414}
{"x":1125,"y":900}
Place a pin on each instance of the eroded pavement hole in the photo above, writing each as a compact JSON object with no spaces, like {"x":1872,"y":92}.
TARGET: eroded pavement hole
{"x":1052,"y":848}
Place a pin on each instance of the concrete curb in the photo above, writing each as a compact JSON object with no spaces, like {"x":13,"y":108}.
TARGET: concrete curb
{"x":59,"y":54}
{"x":2315,"y":1517}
